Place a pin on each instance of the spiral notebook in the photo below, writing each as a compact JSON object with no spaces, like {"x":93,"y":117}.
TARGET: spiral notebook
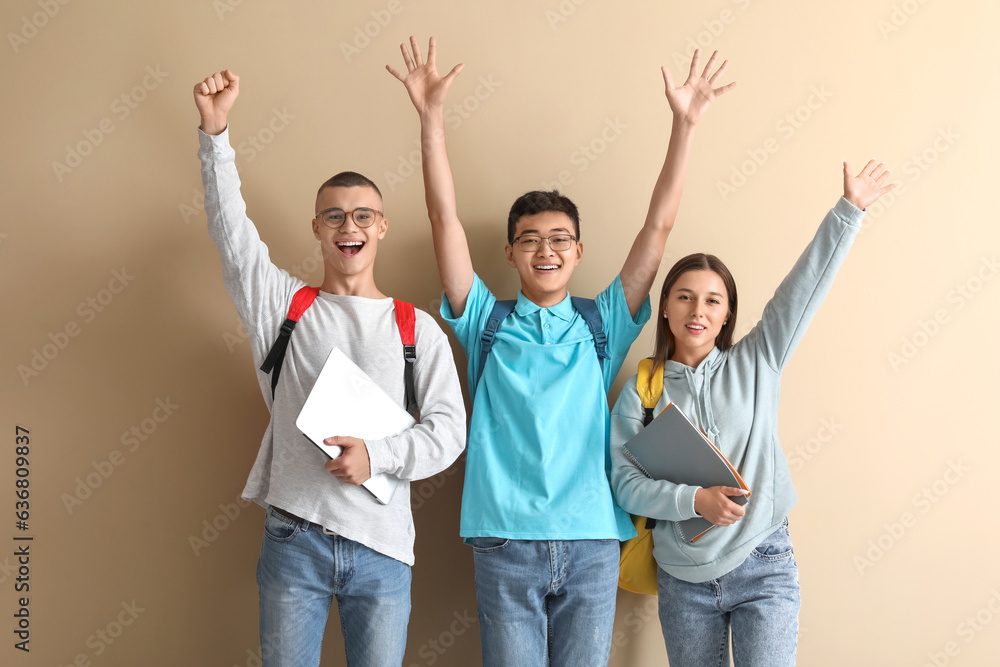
{"x":673,"y":449}
{"x":346,"y":401}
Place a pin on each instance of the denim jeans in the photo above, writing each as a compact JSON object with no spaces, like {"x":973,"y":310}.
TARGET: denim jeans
{"x":301,"y":569}
{"x":546,"y":602}
{"x":759,"y":600}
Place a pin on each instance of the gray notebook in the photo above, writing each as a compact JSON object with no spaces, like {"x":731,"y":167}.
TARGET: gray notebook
{"x":673,"y":449}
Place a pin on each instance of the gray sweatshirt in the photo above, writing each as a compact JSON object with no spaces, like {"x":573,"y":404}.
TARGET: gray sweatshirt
{"x":289,"y":472}
{"x":733,"y":397}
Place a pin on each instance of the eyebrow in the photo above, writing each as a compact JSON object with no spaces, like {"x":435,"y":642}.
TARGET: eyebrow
{"x":560,"y":230}
{"x":685,"y":289}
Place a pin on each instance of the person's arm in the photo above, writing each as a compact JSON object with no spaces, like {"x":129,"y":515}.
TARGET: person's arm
{"x":659,"y":499}
{"x":688,"y":103}
{"x":427,"y":91}
{"x":431,"y":445}
{"x":259,"y":290}
{"x":789,"y":312}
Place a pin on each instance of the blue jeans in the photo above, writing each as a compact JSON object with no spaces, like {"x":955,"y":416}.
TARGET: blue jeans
{"x":301,"y":569}
{"x":546,"y":602}
{"x":759,"y":600}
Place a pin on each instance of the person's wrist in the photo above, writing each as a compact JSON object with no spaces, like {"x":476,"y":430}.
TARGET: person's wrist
{"x":214,"y":125}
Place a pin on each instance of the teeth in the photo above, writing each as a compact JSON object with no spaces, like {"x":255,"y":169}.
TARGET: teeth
{"x":544,"y":267}
{"x":347,"y":244}
{"x":696,"y":326}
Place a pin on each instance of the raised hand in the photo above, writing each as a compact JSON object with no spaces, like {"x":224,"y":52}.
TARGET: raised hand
{"x":214,"y":97}
{"x":690,"y":101}
{"x":864,"y":189}
{"x":427,"y":89}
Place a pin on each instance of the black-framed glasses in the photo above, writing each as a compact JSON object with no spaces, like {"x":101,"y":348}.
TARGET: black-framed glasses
{"x":558,"y":242}
{"x":335,"y":217}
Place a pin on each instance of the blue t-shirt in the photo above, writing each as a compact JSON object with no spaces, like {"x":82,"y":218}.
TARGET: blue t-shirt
{"x":537,"y":461}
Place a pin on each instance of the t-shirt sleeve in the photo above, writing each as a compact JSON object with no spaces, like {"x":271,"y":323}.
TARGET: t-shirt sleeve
{"x":619,"y":325}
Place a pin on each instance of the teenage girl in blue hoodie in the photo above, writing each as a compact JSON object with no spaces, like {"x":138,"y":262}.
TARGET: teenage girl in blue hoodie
{"x":741,"y":574}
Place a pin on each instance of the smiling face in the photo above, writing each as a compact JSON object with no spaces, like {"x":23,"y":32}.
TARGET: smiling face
{"x":349,"y":251}
{"x":696,"y":309}
{"x":544,"y":272}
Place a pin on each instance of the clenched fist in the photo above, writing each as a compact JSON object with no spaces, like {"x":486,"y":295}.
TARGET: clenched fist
{"x":214,"y":97}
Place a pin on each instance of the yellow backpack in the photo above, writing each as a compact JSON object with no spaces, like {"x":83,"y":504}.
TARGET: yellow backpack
{"x":637,"y":571}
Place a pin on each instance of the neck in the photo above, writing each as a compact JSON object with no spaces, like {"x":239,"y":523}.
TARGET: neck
{"x":691,"y":356}
{"x":359,"y":285}
{"x":544,"y":299}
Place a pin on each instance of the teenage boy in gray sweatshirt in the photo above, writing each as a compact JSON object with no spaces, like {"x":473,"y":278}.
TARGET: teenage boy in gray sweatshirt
{"x":325,"y":535}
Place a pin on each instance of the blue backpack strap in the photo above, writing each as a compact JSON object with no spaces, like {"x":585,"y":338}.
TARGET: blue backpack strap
{"x":501,"y":309}
{"x":592,"y":316}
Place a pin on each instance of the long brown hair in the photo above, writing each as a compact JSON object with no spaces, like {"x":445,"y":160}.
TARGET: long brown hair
{"x":664,"y":347}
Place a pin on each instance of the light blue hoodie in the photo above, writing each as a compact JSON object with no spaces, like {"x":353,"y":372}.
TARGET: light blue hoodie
{"x":733,"y":397}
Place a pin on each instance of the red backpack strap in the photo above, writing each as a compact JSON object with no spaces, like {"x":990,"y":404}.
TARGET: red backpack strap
{"x":301,"y":301}
{"x":406,"y":323}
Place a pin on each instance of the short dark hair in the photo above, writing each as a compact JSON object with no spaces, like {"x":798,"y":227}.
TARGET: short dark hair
{"x":537,"y":201}
{"x":349,"y":179}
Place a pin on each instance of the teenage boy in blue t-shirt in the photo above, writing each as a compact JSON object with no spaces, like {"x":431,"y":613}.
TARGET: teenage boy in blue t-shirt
{"x":537,"y":505}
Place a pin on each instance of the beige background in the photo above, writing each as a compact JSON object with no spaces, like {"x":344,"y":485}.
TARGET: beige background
{"x":895,"y":532}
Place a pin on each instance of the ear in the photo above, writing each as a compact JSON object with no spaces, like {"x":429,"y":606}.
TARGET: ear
{"x":383,"y":227}
{"x":509,"y":253}
{"x":315,"y":226}
{"x":579,"y":252}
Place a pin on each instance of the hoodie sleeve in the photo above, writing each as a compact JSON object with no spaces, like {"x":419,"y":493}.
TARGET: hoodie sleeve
{"x":636,"y":493}
{"x":789,"y":312}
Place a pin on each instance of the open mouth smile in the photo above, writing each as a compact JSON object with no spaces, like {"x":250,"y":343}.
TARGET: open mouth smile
{"x":350,"y":248}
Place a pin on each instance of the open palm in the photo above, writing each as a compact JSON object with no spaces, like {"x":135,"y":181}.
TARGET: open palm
{"x":427,"y":88}
{"x":690,"y":101}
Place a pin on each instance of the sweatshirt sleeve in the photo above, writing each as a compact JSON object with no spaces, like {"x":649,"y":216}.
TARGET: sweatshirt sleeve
{"x":256,"y":286}
{"x":788,"y":314}
{"x":439,"y":438}
{"x":635,"y":492}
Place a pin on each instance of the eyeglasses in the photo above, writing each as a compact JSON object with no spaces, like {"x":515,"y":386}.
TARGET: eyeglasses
{"x":335,"y":217}
{"x":558,"y":242}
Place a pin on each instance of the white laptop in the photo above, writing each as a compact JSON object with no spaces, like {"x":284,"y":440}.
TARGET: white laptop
{"x":346,"y":402}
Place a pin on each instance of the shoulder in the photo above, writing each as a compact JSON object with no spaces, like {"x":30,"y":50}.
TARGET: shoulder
{"x":427,"y":328}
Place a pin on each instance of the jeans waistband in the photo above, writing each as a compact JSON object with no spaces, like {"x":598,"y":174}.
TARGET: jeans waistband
{"x":302,"y":522}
